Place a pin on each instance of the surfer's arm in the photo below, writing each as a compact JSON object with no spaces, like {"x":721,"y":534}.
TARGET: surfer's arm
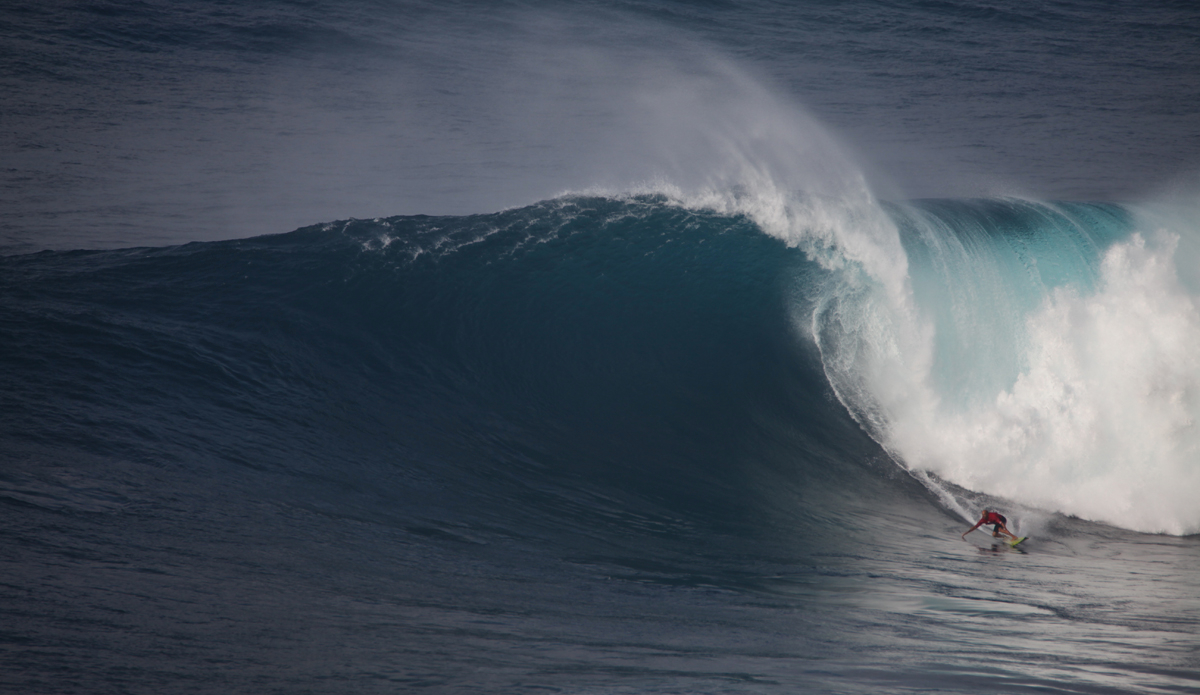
{"x":972,"y":529}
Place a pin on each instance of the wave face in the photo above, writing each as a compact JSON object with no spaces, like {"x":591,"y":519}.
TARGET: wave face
{"x":709,"y":441}
{"x":1038,"y":353}
{"x":635,"y":344}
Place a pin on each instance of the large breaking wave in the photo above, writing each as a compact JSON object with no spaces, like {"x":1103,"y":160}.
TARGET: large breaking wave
{"x":1038,"y":353}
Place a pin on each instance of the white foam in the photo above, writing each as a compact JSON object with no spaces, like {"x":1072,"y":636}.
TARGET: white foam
{"x":1101,"y":424}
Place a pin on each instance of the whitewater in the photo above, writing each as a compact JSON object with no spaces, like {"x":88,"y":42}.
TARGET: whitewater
{"x":386,"y":347}
{"x":1034,"y":351}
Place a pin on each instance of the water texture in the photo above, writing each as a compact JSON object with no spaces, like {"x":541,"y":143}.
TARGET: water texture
{"x":650,"y":348}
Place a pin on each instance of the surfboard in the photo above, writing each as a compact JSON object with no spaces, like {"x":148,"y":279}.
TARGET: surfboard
{"x":1013,"y":544}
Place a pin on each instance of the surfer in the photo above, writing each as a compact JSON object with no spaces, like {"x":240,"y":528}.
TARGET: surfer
{"x":997,"y":521}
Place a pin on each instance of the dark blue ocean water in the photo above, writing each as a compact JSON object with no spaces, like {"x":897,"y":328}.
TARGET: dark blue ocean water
{"x":649,"y":347}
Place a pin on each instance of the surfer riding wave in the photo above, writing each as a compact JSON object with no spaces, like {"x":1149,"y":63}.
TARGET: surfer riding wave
{"x":998,"y":522}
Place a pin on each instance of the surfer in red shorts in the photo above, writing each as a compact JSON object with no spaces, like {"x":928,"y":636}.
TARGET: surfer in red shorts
{"x":997,"y":521}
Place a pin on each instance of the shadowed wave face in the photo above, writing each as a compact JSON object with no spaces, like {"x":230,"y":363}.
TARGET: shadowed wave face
{"x":595,"y":345}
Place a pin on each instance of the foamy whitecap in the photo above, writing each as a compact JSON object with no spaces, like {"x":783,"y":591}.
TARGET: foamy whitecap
{"x":1102,"y":423}
{"x":1099,"y":418}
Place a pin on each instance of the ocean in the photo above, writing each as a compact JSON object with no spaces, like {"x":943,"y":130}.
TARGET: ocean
{"x":637,"y":347}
